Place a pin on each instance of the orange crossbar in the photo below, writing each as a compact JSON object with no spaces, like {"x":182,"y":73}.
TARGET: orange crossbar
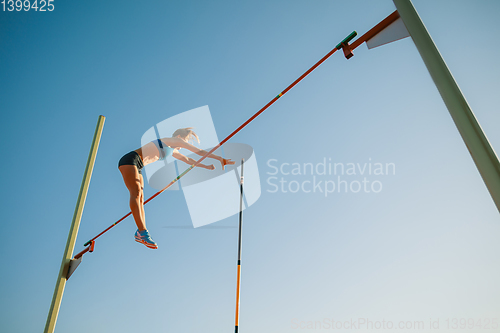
{"x":347,"y":51}
{"x":225,"y":139}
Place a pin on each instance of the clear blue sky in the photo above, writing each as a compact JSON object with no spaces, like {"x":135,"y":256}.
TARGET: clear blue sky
{"x":424,"y":247}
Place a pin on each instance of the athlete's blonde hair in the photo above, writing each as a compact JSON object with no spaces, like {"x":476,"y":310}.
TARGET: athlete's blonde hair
{"x":186,"y":134}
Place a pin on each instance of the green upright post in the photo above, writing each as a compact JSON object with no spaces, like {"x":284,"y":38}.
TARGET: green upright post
{"x":479,"y":147}
{"x":75,"y":224}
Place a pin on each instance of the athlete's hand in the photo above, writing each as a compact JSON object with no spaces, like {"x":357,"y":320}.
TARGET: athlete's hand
{"x":225,"y":162}
{"x":210,"y":167}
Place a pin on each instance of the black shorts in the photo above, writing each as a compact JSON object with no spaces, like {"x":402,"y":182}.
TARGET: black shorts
{"x":132,"y":158}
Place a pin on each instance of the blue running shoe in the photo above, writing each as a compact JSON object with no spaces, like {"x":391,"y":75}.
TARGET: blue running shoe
{"x":144,"y":238}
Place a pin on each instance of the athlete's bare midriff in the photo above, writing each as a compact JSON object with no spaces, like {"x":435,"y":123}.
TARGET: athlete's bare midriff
{"x":148,"y":153}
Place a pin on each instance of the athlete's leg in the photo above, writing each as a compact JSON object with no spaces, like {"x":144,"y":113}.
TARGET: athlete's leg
{"x":133,"y":181}
{"x":143,"y":214}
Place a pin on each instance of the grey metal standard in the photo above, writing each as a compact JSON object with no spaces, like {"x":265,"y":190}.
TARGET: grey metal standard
{"x":478,"y":145}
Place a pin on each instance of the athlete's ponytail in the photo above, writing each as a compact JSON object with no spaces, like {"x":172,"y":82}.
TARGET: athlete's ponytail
{"x":186,"y":134}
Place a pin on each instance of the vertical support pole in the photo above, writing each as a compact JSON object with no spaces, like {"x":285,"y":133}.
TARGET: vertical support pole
{"x":238,"y":276}
{"x":478,"y":145}
{"x":75,"y":224}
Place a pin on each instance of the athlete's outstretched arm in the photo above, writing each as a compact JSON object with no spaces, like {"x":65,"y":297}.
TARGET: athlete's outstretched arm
{"x":190,"y":161}
{"x":179,"y":143}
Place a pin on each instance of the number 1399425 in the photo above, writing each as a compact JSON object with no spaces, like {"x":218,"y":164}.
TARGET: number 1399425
{"x":27,"y":5}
